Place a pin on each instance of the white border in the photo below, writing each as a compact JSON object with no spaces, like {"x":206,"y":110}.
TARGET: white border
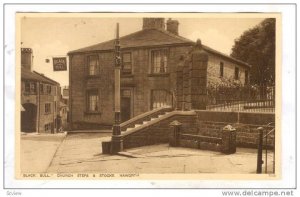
{"x":288,"y":84}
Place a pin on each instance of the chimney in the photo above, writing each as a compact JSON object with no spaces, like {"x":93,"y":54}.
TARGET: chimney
{"x":26,"y":58}
{"x":154,"y":23}
{"x":172,"y":26}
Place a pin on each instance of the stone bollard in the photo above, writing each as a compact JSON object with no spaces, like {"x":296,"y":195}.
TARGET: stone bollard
{"x":175,"y":138}
{"x":106,"y":146}
{"x":229,"y":140}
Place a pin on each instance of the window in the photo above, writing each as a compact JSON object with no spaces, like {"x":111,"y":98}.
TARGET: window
{"x":159,"y":61}
{"x":236,"y":73}
{"x":42,"y":88}
{"x":93,"y":65}
{"x":27,"y":87}
{"x":161,"y":98}
{"x":93,"y":101}
{"x":127,"y":63}
{"x":48,"y":89}
{"x":221,"y":69}
{"x":30,"y":87}
{"x":48,"y":127}
{"x":47,"y":108}
{"x":246,"y":77}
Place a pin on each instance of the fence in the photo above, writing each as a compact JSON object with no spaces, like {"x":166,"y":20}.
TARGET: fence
{"x":241,"y":98}
{"x":264,"y":157}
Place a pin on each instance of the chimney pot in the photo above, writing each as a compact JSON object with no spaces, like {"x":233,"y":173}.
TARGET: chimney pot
{"x":172,"y":26}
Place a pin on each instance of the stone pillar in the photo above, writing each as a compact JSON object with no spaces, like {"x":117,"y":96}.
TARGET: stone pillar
{"x":229,"y":140}
{"x":186,"y":86}
{"x":179,"y":86}
{"x":176,"y":130}
{"x":198,"y":77}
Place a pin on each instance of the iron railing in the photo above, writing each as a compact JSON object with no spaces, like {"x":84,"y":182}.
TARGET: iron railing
{"x":265,"y":142}
{"x":241,"y":98}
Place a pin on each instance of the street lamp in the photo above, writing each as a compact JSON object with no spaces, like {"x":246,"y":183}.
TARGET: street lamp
{"x":117,"y":143}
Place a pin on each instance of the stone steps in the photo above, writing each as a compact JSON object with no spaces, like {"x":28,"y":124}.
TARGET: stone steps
{"x":146,"y":122}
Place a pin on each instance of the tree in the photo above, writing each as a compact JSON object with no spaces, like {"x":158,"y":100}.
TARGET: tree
{"x":256,"y":46}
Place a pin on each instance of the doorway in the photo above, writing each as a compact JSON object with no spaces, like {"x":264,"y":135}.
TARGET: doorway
{"x":28,"y":118}
{"x":126,"y":97}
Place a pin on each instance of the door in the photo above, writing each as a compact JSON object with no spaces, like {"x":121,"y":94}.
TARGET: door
{"x":125,"y":105}
{"x":28,"y":118}
{"x":125,"y":109}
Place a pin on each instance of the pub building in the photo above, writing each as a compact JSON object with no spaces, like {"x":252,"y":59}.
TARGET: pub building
{"x":40,"y":99}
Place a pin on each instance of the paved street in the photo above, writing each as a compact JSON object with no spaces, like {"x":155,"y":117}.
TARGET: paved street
{"x":82,"y":153}
{"x":37,"y":151}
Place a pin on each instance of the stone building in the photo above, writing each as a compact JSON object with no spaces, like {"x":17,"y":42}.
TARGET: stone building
{"x":150,"y":58}
{"x":40,"y":98}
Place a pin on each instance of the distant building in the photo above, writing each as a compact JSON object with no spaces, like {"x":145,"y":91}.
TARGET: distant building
{"x":40,"y":98}
{"x":148,"y":77}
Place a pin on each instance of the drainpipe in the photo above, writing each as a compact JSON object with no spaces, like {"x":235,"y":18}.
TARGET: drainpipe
{"x":39,"y":104}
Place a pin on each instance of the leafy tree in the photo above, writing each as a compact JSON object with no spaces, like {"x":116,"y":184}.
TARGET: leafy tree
{"x":256,"y":46}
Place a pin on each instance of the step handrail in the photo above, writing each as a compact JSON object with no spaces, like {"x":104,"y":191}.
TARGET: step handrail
{"x":141,"y":116}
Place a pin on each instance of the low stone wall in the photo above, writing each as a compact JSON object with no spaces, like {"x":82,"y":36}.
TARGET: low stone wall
{"x":200,"y":122}
{"x":210,"y":123}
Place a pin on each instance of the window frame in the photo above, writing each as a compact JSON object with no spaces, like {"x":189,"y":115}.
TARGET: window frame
{"x":167,"y":94}
{"x":221,"y":69}
{"x":236,"y":73}
{"x":127,"y":70}
{"x":96,"y":67}
{"x":47,"y":108}
{"x":92,"y":92}
{"x":30,"y":87}
{"x":49,"y":89}
{"x":152,"y":61}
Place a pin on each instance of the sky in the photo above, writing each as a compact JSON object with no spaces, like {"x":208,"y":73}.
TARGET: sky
{"x":56,"y":36}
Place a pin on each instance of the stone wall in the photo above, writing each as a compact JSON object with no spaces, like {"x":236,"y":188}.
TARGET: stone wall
{"x":200,"y":123}
{"x":210,"y":123}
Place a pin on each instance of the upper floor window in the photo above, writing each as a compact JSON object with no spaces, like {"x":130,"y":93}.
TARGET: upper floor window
{"x":30,"y":87}
{"x":221,"y":69}
{"x":48,"y":89}
{"x":92,"y":101}
{"x":246,"y":77}
{"x":47,"y":108}
{"x":93,"y":65}
{"x":159,"y":61}
{"x":42,"y":88}
{"x":236,"y":73}
{"x":126,"y":63}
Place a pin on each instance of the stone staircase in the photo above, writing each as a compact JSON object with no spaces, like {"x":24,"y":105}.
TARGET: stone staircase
{"x":147,"y":122}
{"x":144,"y":118}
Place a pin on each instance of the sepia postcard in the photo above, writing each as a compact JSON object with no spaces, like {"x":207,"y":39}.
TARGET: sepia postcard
{"x":143,"y":96}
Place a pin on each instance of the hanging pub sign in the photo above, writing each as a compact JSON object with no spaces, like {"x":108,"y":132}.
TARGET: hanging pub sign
{"x":59,"y":63}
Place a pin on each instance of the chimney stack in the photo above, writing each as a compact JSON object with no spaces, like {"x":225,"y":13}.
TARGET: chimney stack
{"x":172,"y":26}
{"x":154,"y":23}
{"x":26,"y":58}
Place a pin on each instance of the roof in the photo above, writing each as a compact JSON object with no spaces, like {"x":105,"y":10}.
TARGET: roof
{"x":150,"y":38}
{"x":35,"y":76}
{"x":146,"y":37}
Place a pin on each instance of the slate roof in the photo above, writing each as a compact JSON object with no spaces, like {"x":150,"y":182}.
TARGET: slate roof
{"x":35,"y":76}
{"x":151,"y":38}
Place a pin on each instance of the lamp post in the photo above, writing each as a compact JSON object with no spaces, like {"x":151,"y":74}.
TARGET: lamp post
{"x":117,"y":143}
